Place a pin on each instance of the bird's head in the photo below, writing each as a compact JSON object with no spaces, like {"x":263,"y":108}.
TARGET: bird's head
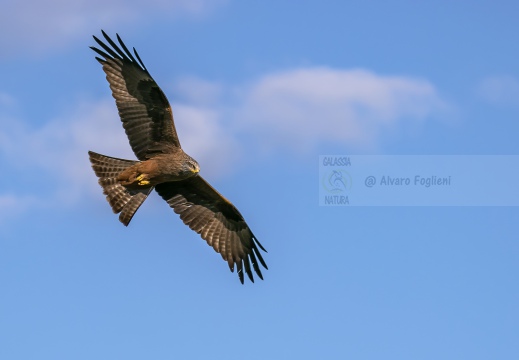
{"x":190,"y":166}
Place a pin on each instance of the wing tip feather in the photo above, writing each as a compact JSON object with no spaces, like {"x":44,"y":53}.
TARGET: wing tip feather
{"x":115,"y":51}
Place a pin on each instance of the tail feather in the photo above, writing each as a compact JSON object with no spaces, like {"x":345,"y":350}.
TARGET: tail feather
{"x":131,"y":206}
{"x":121,"y":199}
{"x":108,"y":167}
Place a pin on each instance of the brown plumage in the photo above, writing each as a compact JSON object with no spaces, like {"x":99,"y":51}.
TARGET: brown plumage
{"x":148,"y":121}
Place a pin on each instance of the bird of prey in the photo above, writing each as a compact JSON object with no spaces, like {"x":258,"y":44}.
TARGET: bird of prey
{"x":148,"y":121}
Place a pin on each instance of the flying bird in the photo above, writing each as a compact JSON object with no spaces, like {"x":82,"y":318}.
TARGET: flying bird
{"x":162,"y":165}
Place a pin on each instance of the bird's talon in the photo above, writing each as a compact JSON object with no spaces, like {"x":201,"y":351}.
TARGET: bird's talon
{"x":141,"y":180}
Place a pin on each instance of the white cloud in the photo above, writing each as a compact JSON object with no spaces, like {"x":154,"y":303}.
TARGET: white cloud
{"x":499,"y":89}
{"x":197,"y":91}
{"x":6,"y":100}
{"x":204,"y":137}
{"x":296,"y":109}
{"x":305,"y":107}
{"x":35,"y":26}
{"x":60,"y":147}
{"x":12,"y":205}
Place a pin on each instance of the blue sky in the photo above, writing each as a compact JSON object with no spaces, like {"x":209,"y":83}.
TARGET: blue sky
{"x":259,"y":90}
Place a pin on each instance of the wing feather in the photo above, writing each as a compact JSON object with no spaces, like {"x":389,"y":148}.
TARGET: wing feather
{"x":217,"y":221}
{"x":144,"y":109}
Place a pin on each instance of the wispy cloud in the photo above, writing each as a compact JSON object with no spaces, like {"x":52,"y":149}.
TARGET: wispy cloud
{"x":499,"y":90}
{"x":6,"y":100}
{"x":11,"y":205}
{"x":204,"y":136}
{"x":199,"y":92}
{"x":60,"y":147}
{"x":58,"y":150}
{"x":34,"y":26}
{"x":290,"y":111}
{"x":305,"y":107}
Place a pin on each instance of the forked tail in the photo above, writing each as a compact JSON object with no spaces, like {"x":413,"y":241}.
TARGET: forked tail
{"x":121,"y":199}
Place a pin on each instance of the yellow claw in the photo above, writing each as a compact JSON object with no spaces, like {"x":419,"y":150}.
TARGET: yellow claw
{"x":141,"y":180}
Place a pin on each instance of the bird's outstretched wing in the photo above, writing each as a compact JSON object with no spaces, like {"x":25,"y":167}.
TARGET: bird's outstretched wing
{"x":219,"y":223}
{"x":143,"y":107}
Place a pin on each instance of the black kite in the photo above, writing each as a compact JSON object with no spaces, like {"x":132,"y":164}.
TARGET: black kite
{"x":148,"y":121}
